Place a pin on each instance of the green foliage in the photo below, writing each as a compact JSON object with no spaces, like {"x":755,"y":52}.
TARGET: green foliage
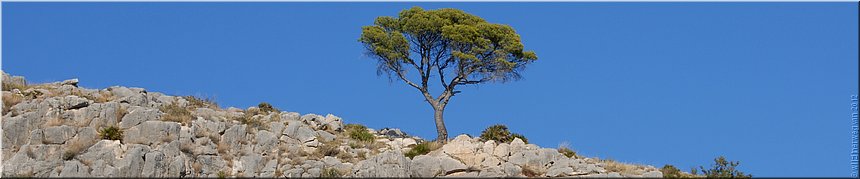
{"x":493,"y":52}
{"x":330,"y":173}
{"x":222,"y":174}
{"x":724,"y":169}
{"x":567,"y":152}
{"x":111,"y":133}
{"x":422,"y":148}
{"x":358,"y":132}
{"x":500,"y":133}
{"x":670,"y":171}
{"x":266,"y":107}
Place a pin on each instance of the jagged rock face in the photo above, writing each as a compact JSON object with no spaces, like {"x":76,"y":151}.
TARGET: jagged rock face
{"x":58,"y":131}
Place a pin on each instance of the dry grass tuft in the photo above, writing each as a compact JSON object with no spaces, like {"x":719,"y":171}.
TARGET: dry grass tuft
{"x":10,"y":100}
{"x":174,"y":112}
{"x":54,"y":121}
{"x":75,"y":147}
{"x":201,"y":102}
{"x":104,"y":96}
{"x":622,"y":168}
{"x":8,"y":86}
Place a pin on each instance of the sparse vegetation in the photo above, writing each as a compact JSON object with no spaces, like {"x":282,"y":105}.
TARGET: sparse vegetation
{"x":10,"y":100}
{"x":267,"y":108}
{"x":8,"y":86}
{"x":670,"y":171}
{"x":422,"y":148}
{"x":175,"y":113}
{"x":723,"y":168}
{"x":201,"y":102}
{"x":564,"y":149}
{"x":111,"y":133}
{"x":500,"y":133}
{"x":330,"y":148}
{"x":222,"y":174}
{"x":358,"y":132}
{"x":622,"y":168}
{"x":75,"y":147}
{"x":528,"y":172}
{"x":330,"y":173}
{"x":104,"y":96}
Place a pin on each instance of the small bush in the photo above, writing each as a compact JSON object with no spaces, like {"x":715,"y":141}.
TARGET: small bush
{"x":500,"y":133}
{"x":358,"y":132}
{"x":222,"y":174}
{"x":421,"y":149}
{"x":174,"y":112}
{"x":111,"y":133}
{"x":330,"y":173}
{"x":201,"y":102}
{"x":724,"y":169}
{"x":567,"y":152}
{"x":670,"y":171}
{"x":266,"y":107}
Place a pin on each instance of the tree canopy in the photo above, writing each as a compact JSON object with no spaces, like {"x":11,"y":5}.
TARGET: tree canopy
{"x":456,"y":47}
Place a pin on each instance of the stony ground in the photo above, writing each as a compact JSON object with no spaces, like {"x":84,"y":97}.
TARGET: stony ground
{"x":58,"y":130}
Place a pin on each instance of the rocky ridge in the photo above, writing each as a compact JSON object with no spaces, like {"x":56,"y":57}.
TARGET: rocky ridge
{"x":56,"y":130}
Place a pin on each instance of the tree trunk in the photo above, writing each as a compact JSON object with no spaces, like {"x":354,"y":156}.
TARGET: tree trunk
{"x":440,"y":126}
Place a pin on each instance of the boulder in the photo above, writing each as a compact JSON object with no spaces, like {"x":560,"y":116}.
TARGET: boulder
{"x":138,"y":115}
{"x":449,"y":165}
{"x":653,"y":174}
{"x":333,"y":123}
{"x":494,"y":171}
{"x":154,"y":165}
{"x":74,"y":168}
{"x":387,"y":164}
{"x":299,"y":131}
{"x":152,"y":132}
{"x":73,"y":82}
{"x":425,"y":167}
{"x":266,"y":142}
{"x":59,"y":134}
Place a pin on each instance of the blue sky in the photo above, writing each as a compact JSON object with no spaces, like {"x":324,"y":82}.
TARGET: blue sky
{"x":767,"y":84}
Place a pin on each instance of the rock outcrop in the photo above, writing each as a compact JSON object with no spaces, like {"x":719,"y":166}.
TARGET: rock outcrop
{"x":58,"y":130}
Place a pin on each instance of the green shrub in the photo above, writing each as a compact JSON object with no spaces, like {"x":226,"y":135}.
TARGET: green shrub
{"x":421,"y":149}
{"x":111,"y":133}
{"x":222,"y":174}
{"x":330,"y":173}
{"x":500,"y":133}
{"x":567,"y":152}
{"x":266,"y":107}
{"x":724,"y":169}
{"x":358,"y":132}
{"x":670,"y":171}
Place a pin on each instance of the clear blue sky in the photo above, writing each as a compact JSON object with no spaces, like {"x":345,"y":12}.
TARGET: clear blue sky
{"x":654,"y":83}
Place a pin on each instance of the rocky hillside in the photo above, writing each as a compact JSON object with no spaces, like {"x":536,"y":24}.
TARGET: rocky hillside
{"x":62,"y":130}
